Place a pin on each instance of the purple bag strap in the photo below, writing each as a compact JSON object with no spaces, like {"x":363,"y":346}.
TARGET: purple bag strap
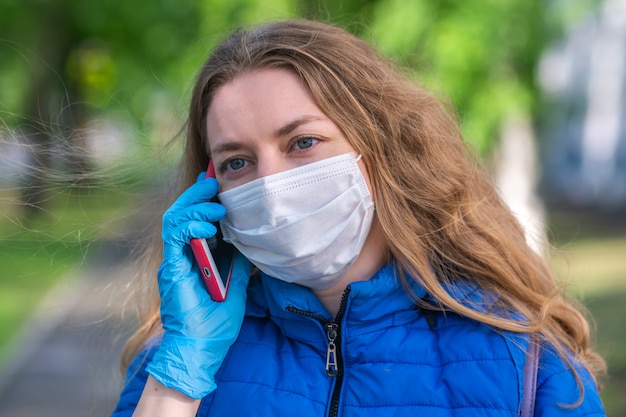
{"x":530,"y":378}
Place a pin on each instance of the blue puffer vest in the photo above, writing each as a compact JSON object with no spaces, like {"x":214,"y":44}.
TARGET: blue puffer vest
{"x":381,"y":356}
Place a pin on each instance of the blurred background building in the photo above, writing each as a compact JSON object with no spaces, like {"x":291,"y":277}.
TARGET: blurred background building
{"x":583,"y":77}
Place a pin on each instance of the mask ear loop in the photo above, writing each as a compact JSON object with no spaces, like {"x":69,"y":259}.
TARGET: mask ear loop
{"x":358,"y":158}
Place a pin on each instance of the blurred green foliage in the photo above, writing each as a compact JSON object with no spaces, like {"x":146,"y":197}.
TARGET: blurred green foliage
{"x":137,"y":56}
{"x":36,"y":254}
{"x":115,"y":54}
{"x":481,"y":53}
{"x":608,"y":309}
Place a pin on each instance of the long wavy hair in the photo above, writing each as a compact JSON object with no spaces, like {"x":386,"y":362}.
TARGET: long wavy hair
{"x":442,"y":216}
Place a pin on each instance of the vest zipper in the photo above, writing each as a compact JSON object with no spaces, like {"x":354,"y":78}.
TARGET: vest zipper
{"x":332,"y":366}
{"x":334,"y":361}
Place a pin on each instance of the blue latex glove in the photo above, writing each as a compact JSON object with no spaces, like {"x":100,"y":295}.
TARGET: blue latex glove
{"x":198,"y":330}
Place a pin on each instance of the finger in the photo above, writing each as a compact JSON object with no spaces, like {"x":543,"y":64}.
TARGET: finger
{"x":180,"y":235}
{"x":180,"y":292}
{"x":176,"y":263}
{"x":201,"y":176}
{"x":199,"y":192}
{"x":207,"y":212}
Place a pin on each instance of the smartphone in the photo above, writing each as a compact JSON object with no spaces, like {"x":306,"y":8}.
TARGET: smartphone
{"x":215,"y":258}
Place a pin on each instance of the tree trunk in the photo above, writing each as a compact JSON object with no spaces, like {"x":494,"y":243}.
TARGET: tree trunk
{"x":516,"y":173}
{"x":54,"y":116}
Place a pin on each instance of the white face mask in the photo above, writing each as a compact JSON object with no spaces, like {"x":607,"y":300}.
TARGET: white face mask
{"x":305,"y":225}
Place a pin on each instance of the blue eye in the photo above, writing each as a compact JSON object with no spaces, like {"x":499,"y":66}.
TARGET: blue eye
{"x":235,"y":164}
{"x":305,"y":143}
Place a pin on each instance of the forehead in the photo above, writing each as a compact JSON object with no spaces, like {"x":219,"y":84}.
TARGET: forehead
{"x":263,"y":99}
{"x":273,"y":86}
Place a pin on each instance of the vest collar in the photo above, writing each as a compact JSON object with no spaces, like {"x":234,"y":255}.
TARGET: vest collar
{"x":370,"y":304}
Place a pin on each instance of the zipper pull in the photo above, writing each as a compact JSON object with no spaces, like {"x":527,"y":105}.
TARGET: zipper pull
{"x":331,"y":354}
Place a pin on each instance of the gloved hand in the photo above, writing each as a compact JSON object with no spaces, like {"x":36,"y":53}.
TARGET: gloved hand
{"x":198,"y":330}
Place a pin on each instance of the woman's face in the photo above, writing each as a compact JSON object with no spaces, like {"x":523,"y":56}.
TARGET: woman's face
{"x":265,"y":122}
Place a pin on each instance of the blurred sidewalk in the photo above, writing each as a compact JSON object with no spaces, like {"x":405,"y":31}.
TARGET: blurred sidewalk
{"x":65,"y":362}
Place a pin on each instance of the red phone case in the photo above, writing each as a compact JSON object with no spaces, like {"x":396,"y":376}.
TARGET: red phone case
{"x":216,"y":285}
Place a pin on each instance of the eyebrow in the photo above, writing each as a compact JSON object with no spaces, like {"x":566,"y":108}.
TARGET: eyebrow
{"x":285,"y":130}
{"x":226,"y":147}
{"x":290,"y":127}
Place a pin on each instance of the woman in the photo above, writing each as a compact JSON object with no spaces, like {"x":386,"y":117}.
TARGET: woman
{"x":392,"y":280}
